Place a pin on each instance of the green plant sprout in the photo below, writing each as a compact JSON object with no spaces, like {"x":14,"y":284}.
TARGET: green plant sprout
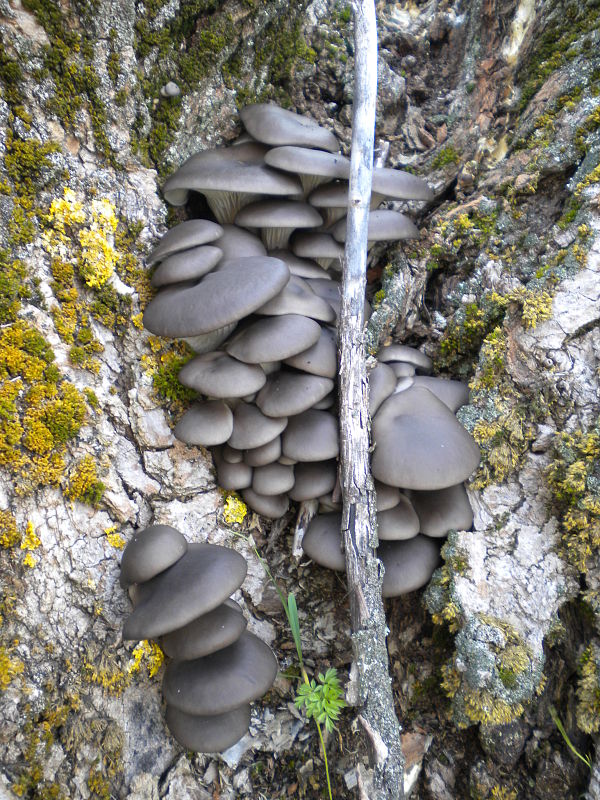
{"x":557,"y":721}
{"x":321,"y":701}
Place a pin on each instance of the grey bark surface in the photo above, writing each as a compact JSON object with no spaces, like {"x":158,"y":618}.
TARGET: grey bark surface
{"x":359,"y":516}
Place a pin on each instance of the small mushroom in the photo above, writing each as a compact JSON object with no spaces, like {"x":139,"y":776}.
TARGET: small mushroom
{"x":384,"y":226}
{"x":297,"y":297}
{"x":311,"y":436}
{"x":208,"y":734}
{"x":273,"y":479}
{"x":278,"y":126}
{"x":274,"y":339}
{"x":382,"y":383}
{"x":312,"y":166}
{"x":321,"y":358}
{"x":205,"y":424}
{"x":205,"y":635}
{"x":185,"y":236}
{"x":408,"y":565}
{"x":150,"y":552}
{"x":399,"y":522}
{"x":409,"y":355}
{"x":232,"y":476}
{"x":251,"y":428}
{"x":270,"y":506}
{"x":323,"y":541}
{"x":321,"y":247}
{"x":302,"y":267}
{"x":289,"y":393}
{"x":401,"y":369}
{"x":238,"y":243}
{"x":201,"y":580}
{"x":277,"y":219}
{"x":398,"y":185}
{"x":265,"y":454}
{"x":223,"y":680}
{"x":219,"y":375}
{"x":443,"y":510}
{"x":313,"y":480}
{"x":387,"y":496}
{"x":186,"y":265}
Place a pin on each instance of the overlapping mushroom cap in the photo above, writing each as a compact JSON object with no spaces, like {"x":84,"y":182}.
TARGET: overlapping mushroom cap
{"x":278,"y":126}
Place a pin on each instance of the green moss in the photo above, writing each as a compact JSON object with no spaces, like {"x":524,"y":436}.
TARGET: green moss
{"x":13,"y":287}
{"x":588,"y":690}
{"x":165,"y":381}
{"x":447,"y":155}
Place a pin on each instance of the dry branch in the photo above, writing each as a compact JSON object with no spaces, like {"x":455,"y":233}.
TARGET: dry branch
{"x":359,"y":518}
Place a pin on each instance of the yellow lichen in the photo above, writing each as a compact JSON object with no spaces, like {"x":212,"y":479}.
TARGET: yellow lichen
{"x":9,"y":533}
{"x":234,"y":510}
{"x":83,"y":483}
{"x":114,"y":539}
{"x":30,"y":542}
{"x":148,"y":654}
{"x":10,"y":667}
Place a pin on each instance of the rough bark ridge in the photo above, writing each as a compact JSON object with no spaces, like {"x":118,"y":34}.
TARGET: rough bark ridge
{"x":359,"y":516}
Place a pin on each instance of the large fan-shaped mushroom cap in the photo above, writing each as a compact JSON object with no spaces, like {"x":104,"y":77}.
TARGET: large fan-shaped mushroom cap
{"x":420,"y":444}
{"x":278,"y":126}
{"x":200,"y":581}
{"x":218,"y":299}
{"x":453,"y":394}
{"x":222,"y":681}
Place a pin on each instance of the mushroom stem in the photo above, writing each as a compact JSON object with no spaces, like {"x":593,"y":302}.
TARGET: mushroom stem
{"x":225,"y":205}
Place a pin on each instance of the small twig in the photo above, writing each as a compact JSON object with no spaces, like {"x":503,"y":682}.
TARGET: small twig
{"x":307,"y":510}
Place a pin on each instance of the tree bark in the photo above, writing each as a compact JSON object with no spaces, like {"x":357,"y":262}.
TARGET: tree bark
{"x":359,"y":518}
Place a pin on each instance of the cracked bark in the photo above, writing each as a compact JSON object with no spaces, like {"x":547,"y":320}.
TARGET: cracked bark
{"x":359,"y":520}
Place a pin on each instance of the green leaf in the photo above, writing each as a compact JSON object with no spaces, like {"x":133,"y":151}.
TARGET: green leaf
{"x":292,"y":610}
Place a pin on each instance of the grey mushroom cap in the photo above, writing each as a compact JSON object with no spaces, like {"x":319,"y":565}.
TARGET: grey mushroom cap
{"x":274,"y":339}
{"x":289,"y":393}
{"x":238,"y":243}
{"x":228,"y":185}
{"x":278,"y":126}
{"x":384,"y":226}
{"x":149,"y":552}
{"x":232,"y":477}
{"x":221,"y":681}
{"x":398,"y":523}
{"x":277,"y":219}
{"x":327,"y":402}
{"x":409,"y":355}
{"x":313,"y":480}
{"x":184,"y":236}
{"x":218,"y":299}
{"x":402,"y":370}
{"x":453,"y":394}
{"x":205,"y":424}
{"x":203,"y":734}
{"x":270,"y":506}
{"x":387,"y":496}
{"x":186,"y":265}
{"x":443,"y":510}
{"x":297,"y":297}
{"x":273,"y":479}
{"x":302,"y":267}
{"x":399,"y":185}
{"x":219,"y":375}
{"x":251,"y":428}
{"x":321,"y":358}
{"x":231,"y":455}
{"x":207,"y":634}
{"x":332,"y":201}
{"x":408,"y":565}
{"x":321,"y":247}
{"x":420,"y":444}
{"x":403,"y":383}
{"x":265,"y":454}
{"x":322,"y":541}
{"x":200,"y":581}
{"x":382,"y":383}
{"x":311,"y":436}
{"x":312,"y":166}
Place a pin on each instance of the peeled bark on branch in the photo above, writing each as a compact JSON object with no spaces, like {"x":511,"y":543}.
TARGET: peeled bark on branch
{"x":359,"y":518}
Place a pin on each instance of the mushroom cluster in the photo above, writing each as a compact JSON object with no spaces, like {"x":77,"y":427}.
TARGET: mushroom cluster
{"x":181,"y":596}
{"x":257,"y":294}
